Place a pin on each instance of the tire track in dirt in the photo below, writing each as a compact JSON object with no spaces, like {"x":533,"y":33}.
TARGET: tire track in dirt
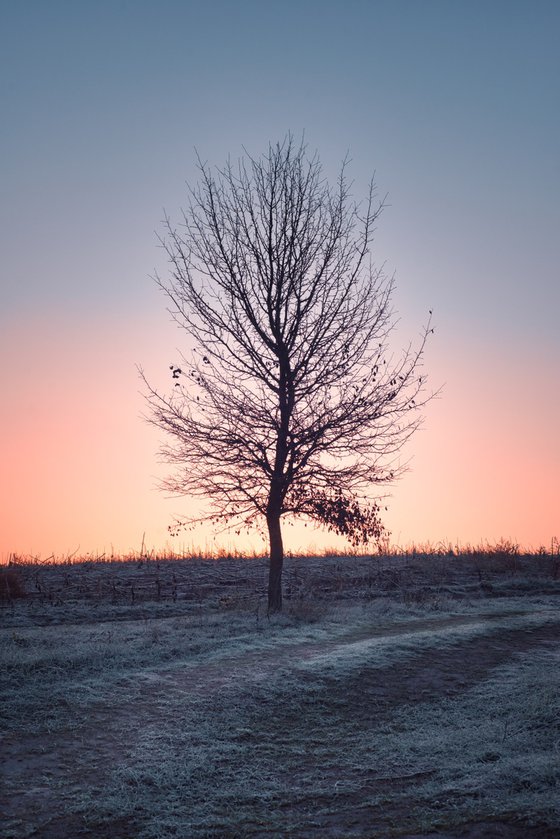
{"x":418,"y":673}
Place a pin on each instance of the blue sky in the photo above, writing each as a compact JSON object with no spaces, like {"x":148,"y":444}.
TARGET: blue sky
{"x":455,"y":105}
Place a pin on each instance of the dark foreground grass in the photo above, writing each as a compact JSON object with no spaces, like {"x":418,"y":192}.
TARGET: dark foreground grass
{"x":393,"y":698}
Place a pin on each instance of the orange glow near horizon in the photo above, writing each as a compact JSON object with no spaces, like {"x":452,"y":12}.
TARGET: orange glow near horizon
{"x":80,"y":465}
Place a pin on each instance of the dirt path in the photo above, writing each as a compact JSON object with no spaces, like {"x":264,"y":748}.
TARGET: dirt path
{"x":42,"y":778}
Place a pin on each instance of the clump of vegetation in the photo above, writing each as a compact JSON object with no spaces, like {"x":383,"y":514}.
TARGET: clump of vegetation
{"x":11,"y":585}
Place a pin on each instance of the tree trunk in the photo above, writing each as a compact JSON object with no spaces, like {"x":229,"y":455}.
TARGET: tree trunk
{"x":276,"y":562}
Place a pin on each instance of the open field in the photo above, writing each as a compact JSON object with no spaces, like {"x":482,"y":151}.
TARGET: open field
{"x":395,"y":697}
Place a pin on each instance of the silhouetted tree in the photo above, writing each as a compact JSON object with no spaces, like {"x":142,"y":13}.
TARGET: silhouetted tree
{"x":291,"y":404}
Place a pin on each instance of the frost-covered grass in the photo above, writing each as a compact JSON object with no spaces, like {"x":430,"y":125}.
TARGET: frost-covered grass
{"x":289,"y":757}
{"x":52,"y":671}
{"x":415,"y":703}
{"x":496,"y":748}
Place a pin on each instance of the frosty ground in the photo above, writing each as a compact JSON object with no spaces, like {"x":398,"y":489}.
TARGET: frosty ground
{"x":395,"y":697}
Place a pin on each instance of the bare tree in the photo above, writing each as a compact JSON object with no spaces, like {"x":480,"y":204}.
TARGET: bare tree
{"x":292,"y":403}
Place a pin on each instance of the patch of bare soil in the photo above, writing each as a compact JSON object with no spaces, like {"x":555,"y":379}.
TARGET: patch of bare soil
{"x":44,"y":777}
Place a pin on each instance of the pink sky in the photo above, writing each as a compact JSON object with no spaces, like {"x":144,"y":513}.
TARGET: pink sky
{"x":80,"y":465}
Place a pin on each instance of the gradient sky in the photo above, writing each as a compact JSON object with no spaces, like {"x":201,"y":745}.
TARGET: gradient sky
{"x":454,"y":104}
